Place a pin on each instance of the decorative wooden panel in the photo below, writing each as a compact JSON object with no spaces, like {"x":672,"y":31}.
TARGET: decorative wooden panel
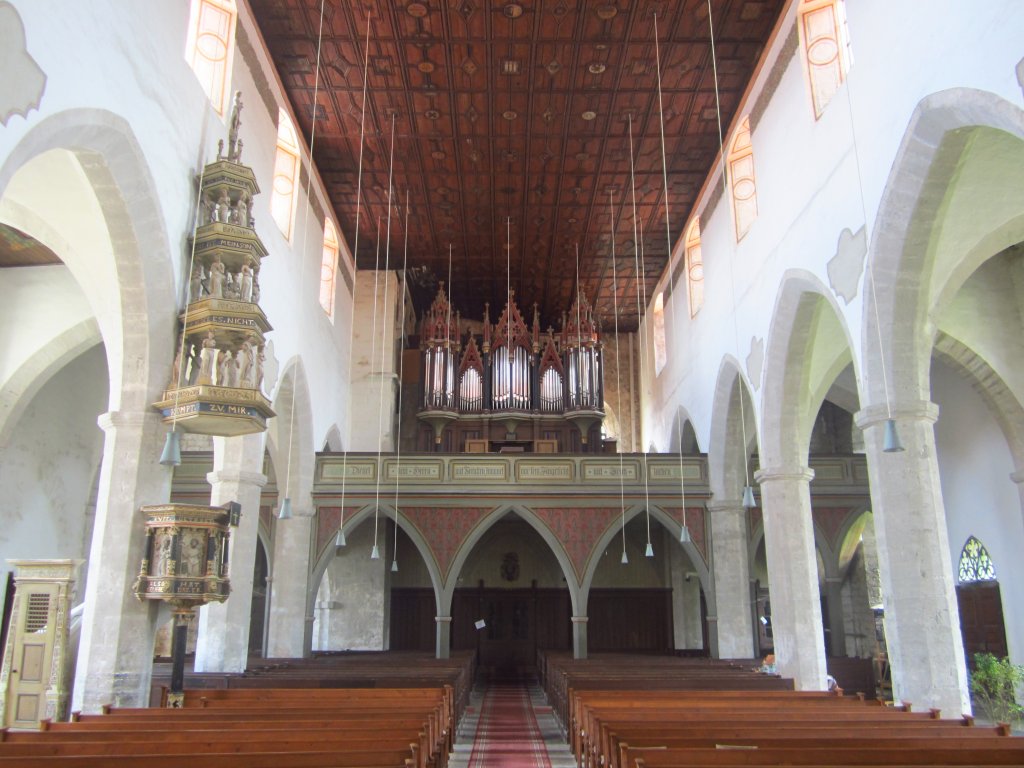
{"x":630,"y":620}
{"x":524,"y":116}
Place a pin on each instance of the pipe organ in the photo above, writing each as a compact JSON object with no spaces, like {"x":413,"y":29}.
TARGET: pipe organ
{"x":537,"y":386}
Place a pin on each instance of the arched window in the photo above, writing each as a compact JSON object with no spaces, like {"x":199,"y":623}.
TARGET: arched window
{"x":210,"y":47}
{"x":825,"y":46}
{"x":975,"y":564}
{"x":694,"y":267}
{"x":286,"y":175}
{"x":741,"y":175}
{"x":658,"y":330}
{"x":328,"y":268}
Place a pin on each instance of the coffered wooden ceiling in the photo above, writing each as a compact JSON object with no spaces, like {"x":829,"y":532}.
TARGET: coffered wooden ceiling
{"x":516,"y":116}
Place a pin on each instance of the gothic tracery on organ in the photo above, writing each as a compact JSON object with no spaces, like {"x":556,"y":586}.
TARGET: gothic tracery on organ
{"x":512,"y":373}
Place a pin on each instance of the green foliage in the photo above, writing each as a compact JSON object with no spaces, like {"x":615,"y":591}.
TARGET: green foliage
{"x":993,"y":683}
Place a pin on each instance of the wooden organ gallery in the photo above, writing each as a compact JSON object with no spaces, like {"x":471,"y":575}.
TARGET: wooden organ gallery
{"x":510,"y":387}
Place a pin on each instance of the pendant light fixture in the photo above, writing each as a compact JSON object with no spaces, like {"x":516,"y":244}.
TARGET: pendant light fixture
{"x":171,"y":454}
{"x":748,"y":490}
{"x":339,"y":540}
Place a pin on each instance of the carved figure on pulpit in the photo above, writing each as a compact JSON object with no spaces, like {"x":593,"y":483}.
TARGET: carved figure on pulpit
{"x":224,"y":208}
{"x":255,"y":288}
{"x":191,"y":562}
{"x":193,"y":364}
{"x":206,"y":359}
{"x":161,"y":554}
{"x":258,"y":376}
{"x":242,"y":210}
{"x":246,"y":363}
{"x":195,"y":283}
{"x":234,"y":143}
{"x":216,"y":280}
{"x":245,"y":280}
{"x":230,"y":286}
{"x":227,"y":369}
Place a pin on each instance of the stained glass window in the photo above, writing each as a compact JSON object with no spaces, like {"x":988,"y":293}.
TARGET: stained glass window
{"x":741,"y":176}
{"x":286,"y":175}
{"x":328,"y":268}
{"x":825,"y":47}
{"x":209,"y":48}
{"x":660,"y":346}
{"x":694,"y":267}
{"x":975,"y":564}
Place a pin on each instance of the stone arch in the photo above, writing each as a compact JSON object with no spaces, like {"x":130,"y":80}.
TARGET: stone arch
{"x":801,"y":362}
{"x":993,"y":389}
{"x":670,"y":524}
{"x":901,"y":247}
{"x":290,"y":436}
{"x":332,"y":440}
{"x":17,"y":392}
{"x":114,"y":172}
{"x":682,"y":432}
{"x":483,"y":526}
{"x":733,"y":420}
{"x":387,"y":512}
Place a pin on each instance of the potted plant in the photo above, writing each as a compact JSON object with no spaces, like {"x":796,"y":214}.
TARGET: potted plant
{"x":993,"y":684}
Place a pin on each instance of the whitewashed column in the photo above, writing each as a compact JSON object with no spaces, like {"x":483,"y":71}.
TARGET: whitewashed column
{"x":444,"y":636}
{"x":731,"y":559}
{"x":793,"y":575}
{"x":115,"y":652}
{"x":289,"y":625}
{"x":579,"y":637}
{"x":223,"y":644}
{"x":922,"y":622}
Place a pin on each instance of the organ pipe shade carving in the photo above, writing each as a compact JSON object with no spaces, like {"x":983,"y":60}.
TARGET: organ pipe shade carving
{"x":510,"y":366}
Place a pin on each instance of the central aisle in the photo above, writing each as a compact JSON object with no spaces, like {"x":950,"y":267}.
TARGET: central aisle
{"x":509,"y":725}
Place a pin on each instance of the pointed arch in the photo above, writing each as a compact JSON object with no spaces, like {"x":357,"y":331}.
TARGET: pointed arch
{"x":485,"y":524}
{"x":734,"y":432}
{"x":975,"y":563}
{"x":290,"y":435}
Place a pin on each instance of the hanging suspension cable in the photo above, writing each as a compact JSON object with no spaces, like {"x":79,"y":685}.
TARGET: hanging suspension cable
{"x":649,"y":552}
{"x":375,"y":552}
{"x":748,"y":489}
{"x":618,"y":388}
{"x":684,"y":532}
{"x":401,"y":371}
{"x":340,"y":540}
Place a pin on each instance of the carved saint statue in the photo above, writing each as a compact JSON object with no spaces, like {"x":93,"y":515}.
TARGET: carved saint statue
{"x":260,"y":358}
{"x":224,"y":208}
{"x":217,"y":273}
{"x":206,"y":359}
{"x":247,"y":363}
{"x":245,"y":279}
{"x":195,"y":284}
{"x":234,"y":145}
{"x":227,"y":370}
{"x":242,"y":210}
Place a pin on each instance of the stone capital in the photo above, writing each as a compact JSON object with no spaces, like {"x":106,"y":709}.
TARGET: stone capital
{"x":1017,"y":477}
{"x":237,"y":476}
{"x":443,"y":619}
{"x":580,"y":619}
{"x":725,"y":505}
{"x":116,"y":419}
{"x":905,"y":410}
{"x":784,"y":474}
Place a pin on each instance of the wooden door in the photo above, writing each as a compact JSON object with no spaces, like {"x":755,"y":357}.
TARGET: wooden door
{"x":31,"y":660}
{"x":981,"y":619}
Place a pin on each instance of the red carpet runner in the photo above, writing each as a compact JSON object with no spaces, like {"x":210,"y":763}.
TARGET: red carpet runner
{"x":507,"y":735}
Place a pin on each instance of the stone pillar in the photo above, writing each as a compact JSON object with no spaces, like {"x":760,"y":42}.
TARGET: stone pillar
{"x":922,"y":622}
{"x":115,"y":652}
{"x":444,"y":636}
{"x":290,"y":630}
{"x":579,"y":637}
{"x":793,"y":575}
{"x":836,"y":620}
{"x":686,"y":627}
{"x":223,"y":644}
{"x":730,"y":554}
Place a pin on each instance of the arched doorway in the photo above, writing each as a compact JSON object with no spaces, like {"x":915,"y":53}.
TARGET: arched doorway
{"x":980,"y":603}
{"x":511,"y":599}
